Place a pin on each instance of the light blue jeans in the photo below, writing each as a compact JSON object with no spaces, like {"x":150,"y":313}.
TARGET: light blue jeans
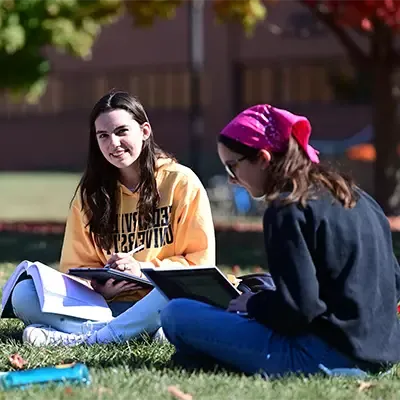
{"x":131,"y":319}
{"x":197,"y":329}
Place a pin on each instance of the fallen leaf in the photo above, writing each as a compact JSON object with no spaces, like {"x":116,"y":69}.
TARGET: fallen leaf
{"x":178,"y":394}
{"x":101,"y":390}
{"x":365,"y":385}
{"x":17,"y":361}
{"x":68,"y":391}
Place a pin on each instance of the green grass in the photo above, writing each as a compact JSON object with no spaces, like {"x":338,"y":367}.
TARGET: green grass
{"x":36,"y":196}
{"x":45,"y":196}
{"x":142,"y":370}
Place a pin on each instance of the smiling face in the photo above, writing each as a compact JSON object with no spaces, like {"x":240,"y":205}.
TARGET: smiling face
{"x":120,"y":137}
{"x":245,"y":172}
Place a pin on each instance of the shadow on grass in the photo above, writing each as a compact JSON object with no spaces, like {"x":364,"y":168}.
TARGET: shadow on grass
{"x":11,"y":329}
{"x":233,"y":247}
{"x":18,"y":246}
{"x":242,"y":248}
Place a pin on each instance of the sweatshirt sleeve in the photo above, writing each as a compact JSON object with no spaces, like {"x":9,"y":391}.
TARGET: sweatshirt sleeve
{"x":296,"y":302}
{"x":78,"y":248}
{"x":194,"y":227}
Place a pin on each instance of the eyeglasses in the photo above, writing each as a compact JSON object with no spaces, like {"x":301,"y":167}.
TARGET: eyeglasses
{"x":230,"y":166}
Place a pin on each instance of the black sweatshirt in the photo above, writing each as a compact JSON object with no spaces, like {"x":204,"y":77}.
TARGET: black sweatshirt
{"x":336,"y":276}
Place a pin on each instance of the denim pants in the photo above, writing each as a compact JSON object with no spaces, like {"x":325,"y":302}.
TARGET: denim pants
{"x":131,"y":319}
{"x":198,"y":329}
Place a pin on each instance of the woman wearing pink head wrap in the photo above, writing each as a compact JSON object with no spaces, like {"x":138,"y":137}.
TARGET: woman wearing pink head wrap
{"x":329,"y":252}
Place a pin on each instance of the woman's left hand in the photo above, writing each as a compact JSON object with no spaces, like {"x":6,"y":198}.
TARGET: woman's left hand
{"x":125,"y":263}
{"x":240,"y":303}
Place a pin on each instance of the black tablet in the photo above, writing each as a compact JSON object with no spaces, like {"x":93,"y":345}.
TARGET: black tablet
{"x":206,"y":284}
{"x":103,"y":274}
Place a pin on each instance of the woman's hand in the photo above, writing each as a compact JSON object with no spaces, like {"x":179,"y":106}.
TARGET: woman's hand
{"x":125,"y":263}
{"x":111,"y":288}
{"x":240,"y":303}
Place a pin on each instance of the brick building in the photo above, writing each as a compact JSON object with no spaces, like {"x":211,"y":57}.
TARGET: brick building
{"x":283,"y":63}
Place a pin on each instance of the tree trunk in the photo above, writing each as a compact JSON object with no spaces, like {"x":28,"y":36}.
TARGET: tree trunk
{"x":385,"y":124}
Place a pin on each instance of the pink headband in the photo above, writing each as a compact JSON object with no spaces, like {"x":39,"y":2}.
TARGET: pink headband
{"x":266,"y":127}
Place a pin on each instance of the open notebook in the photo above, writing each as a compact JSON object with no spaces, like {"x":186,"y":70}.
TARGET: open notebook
{"x":58,"y":293}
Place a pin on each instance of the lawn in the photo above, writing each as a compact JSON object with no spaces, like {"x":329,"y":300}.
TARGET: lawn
{"x":36,"y":196}
{"x":134,"y":370}
{"x":141,"y":370}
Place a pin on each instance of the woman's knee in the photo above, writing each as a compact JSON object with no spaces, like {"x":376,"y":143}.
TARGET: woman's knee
{"x":178,"y":311}
{"x":24,"y":296}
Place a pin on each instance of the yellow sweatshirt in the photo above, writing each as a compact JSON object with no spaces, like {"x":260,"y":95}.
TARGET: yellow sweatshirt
{"x":182,"y":233}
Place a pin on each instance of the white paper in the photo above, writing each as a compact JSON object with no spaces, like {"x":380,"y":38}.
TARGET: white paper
{"x":60,"y":294}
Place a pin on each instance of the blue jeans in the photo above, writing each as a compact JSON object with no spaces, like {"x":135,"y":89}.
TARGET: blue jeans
{"x":198,"y":329}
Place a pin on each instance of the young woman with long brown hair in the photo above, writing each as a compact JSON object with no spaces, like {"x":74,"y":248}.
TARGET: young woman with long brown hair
{"x":132,"y":193}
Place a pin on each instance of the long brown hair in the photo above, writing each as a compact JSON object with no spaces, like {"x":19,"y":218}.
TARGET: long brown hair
{"x":293,"y":172}
{"x":98,"y":186}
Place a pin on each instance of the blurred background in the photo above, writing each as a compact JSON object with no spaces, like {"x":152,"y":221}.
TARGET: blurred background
{"x":194,"y":64}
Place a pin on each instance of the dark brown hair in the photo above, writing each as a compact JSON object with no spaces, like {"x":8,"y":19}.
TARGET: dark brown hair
{"x":292,"y":171}
{"x":98,"y":186}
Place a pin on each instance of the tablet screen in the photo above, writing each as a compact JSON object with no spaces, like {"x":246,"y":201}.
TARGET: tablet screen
{"x":103,"y":274}
{"x":203,"y":284}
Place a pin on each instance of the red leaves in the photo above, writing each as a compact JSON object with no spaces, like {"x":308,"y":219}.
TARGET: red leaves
{"x":360,"y":13}
{"x":68,"y":391}
{"x":32,"y":227}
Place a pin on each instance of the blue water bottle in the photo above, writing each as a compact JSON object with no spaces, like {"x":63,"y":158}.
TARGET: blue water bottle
{"x":62,"y":374}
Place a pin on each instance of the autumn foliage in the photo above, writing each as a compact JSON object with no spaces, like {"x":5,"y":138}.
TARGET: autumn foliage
{"x":361,"y":14}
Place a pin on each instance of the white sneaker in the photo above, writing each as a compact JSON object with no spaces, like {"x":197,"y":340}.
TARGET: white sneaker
{"x":159,"y":336}
{"x":41,"y":335}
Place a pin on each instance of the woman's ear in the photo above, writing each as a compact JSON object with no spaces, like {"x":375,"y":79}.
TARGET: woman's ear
{"x":146,"y":129}
{"x":265,"y":157}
